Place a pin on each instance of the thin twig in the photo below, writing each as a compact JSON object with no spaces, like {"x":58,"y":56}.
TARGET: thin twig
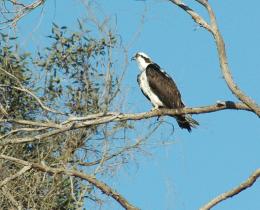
{"x":108,"y":157}
{"x":19,"y":173}
{"x":3,"y":111}
{"x":25,"y":90}
{"x":22,"y":129}
{"x":31,"y":123}
{"x":11,"y":198}
{"x":20,"y":11}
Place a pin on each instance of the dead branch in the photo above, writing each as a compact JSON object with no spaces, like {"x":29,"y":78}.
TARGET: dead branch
{"x":229,"y":194}
{"x":213,"y":29}
{"x":108,"y":157}
{"x":115,"y":117}
{"x":18,"y":11}
{"x":195,"y":16}
{"x":11,"y":198}
{"x":3,"y":111}
{"x":91,"y":179}
{"x":31,"y":94}
{"x":19,"y":173}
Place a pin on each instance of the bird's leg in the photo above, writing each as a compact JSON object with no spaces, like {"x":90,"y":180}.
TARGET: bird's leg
{"x":156,"y":108}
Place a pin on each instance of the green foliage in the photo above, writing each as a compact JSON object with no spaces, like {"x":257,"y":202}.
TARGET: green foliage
{"x":73,"y":65}
{"x":74,"y":75}
{"x":15,"y":63}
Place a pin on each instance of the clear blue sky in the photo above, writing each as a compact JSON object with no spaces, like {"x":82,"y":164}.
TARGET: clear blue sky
{"x":225,"y":149}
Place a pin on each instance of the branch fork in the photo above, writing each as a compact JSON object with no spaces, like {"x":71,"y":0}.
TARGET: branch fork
{"x":212,"y":27}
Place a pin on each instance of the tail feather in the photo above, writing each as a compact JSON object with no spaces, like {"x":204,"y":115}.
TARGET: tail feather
{"x":185,"y":121}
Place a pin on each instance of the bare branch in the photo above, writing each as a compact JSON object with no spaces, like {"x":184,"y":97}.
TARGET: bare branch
{"x":224,"y":63}
{"x":19,"y":10}
{"x":22,"y":129}
{"x":91,"y":179}
{"x":229,"y":194}
{"x":116,"y":117}
{"x":32,"y":123}
{"x":11,"y":198}
{"x":3,"y":111}
{"x":213,"y":29}
{"x":23,"y":89}
{"x":195,"y":16}
{"x":108,"y":157}
{"x":19,"y":173}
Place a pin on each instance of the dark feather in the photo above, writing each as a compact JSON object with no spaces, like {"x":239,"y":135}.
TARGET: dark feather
{"x":163,"y":86}
{"x":183,"y":123}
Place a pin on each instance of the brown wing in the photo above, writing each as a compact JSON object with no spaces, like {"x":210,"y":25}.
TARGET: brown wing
{"x":163,"y":86}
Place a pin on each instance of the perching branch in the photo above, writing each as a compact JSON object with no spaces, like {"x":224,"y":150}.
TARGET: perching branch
{"x":81,"y":122}
{"x":229,"y":194}
{"x":213,"y":29}
{"x":100,"y":185}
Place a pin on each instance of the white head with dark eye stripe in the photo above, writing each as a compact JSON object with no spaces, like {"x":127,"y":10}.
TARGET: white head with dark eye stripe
{"x":142,"y":60}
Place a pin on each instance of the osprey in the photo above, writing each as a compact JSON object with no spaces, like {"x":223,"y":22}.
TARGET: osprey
{"x":160,"y":89}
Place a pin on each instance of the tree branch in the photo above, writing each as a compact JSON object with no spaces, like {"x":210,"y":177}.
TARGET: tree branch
{"x":101,"y":185}
{"x":19,"y":11}
{"x":248,"y":183}
{"x":115,"y":117}
{"x":11,"y":198}
{"x":108,"y":157}
{"x":213,"y":29}
{"x":195,"y":16}
{"x":23,"y":89}
{"x":19,"y":173}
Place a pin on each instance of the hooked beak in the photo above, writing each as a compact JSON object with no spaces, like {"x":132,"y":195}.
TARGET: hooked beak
{"x":133,"y":58}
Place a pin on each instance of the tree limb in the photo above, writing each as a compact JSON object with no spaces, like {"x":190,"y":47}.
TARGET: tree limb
{"x":19,"y":10}
{"x":229,"y":194}
{"x":23,"y":89}
{"x":116,"y":117}
{"x":195,"y":16}
{"x":101,"y":185}
{"x":213,"y":29}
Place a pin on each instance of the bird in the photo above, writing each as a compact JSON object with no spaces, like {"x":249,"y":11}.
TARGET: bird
{"x":160,"y":89}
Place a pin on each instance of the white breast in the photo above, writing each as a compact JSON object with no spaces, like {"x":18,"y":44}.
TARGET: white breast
{"x":147,"y":90}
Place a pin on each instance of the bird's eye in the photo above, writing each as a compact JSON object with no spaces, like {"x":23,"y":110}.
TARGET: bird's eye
{"x":147,"y":60}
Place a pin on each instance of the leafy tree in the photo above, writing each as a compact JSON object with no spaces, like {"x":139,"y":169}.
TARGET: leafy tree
{"x":59,"y":133}
{"x":74,"y":75}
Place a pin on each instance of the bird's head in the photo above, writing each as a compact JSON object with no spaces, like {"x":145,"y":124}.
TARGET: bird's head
{"x":142,"y":60}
